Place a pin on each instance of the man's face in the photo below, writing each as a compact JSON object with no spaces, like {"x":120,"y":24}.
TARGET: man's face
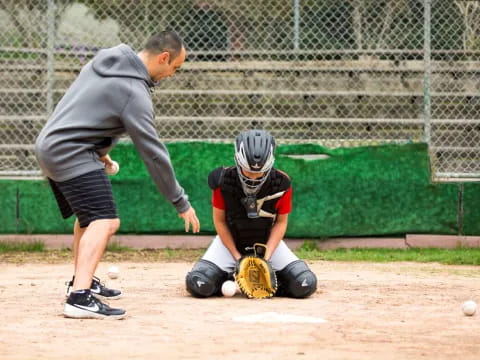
{"x":166,"y":67}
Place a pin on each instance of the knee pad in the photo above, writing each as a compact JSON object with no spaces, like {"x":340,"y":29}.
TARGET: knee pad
{"x":205,"y":279}
{"x":296,"y":280}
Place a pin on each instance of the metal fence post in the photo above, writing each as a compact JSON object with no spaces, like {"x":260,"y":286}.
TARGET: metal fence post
{"x":50,"y":55}
{"x":427,"y":71}
{"x":296,"y":24}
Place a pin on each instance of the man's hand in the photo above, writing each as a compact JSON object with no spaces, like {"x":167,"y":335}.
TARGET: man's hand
{"x":106,"y":159}
{"x":111,"y":167}
{"x":190,"y":217}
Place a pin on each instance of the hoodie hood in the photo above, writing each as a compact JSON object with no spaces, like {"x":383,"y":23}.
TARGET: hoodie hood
{"x":121,"y":61}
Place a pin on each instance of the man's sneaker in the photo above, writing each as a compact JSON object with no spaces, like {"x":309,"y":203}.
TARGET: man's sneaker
{"x":82,"y":304}
{"x":101,"y":291}
{"x":98,"y":289}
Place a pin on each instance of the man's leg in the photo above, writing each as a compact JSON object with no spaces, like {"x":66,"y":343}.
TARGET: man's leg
{"x":77,"y":235}
{"x":90,"y":198}
{"x":90,"y":250}
{"x":81,"y":303}
{"x":97,"y":287}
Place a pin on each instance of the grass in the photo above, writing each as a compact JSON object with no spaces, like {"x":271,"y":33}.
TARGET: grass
{"x":117,"y":247}
{"x":457,"y":256}
{"x":34,"y":246}
{"x":36,"y":252}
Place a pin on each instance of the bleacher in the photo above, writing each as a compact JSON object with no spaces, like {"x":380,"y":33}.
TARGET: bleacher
{"x":335,"y":102}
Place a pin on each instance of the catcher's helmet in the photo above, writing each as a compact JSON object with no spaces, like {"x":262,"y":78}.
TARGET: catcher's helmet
{"x":254,"y":153}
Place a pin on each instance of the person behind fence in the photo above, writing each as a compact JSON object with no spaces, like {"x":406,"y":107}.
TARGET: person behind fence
{"x":110,"y":97}
{"x":251,"y":202}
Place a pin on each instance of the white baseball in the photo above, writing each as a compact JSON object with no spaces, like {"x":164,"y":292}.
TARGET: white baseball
{"x":113,"y":168}
{"x":113,"y":272}
{"x":229,"y":288}
{"x":469,"y":307}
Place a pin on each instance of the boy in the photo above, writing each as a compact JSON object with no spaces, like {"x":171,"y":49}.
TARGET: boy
{"x":251,"y":202}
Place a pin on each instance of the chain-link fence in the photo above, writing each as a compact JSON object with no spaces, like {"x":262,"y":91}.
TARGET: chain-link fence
{"x":335,"y":72}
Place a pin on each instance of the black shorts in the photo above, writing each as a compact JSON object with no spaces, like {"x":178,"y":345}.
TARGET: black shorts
{"x":88,"y":196}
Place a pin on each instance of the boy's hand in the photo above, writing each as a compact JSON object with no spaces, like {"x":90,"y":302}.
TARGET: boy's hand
{"x":255,"y":276}
{"x":190,"y":217}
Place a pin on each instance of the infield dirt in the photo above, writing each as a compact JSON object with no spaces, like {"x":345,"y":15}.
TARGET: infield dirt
{"x":372,"y":311}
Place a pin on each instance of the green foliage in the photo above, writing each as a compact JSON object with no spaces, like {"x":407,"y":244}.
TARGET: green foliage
{"x":265,"y":25}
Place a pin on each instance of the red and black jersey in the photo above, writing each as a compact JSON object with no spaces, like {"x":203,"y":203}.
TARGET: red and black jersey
{"x":283,"y":205}
{"x":273,"y":198}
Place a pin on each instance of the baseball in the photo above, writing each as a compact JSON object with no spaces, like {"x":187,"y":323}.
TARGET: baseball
{"x":469,"y":307}
{"x":113,"y":168}
{"x":229,"y":288}
{"x":113,"y":272}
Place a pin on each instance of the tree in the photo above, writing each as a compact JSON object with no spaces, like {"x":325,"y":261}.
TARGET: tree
{"x":248,"y":23}
{"x":29,"y":20}
{"x":385,"y":24}
{"x":470,"y":11}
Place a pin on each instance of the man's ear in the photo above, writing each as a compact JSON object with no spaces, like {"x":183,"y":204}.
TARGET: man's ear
{"x":163,"y":57}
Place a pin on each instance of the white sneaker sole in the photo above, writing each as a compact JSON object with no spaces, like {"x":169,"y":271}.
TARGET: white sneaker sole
{"x":77,"y":313}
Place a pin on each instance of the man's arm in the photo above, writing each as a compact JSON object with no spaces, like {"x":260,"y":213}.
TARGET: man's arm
{"x":137,"y":117}
{"x":276,"y":235}
{"x":220,"y":222}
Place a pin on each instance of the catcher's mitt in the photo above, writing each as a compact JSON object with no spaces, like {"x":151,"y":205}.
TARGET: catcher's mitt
{"x":255,"y":276}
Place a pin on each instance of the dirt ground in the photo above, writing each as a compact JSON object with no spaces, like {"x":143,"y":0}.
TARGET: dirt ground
{"x":372,"y":311}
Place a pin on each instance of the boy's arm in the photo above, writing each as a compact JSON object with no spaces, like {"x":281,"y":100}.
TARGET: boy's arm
{"x":276,"y":235}
{"x":220,"y":222}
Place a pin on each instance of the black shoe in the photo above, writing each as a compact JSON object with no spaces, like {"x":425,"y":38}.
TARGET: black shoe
{"x":101,"y":291}
{"x":98,"y":289}
{"x":82,"y":304}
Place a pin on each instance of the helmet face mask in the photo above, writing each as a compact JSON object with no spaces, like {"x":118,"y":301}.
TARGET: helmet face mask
{"x":251,"y":184}
{"x":254,"y":154}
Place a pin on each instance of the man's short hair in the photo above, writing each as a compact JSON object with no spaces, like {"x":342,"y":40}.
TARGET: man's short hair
{"x":165,"y":41}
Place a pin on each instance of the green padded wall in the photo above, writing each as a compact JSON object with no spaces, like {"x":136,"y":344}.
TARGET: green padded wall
{"x":470,"y":208}
{"x":378,"y":190}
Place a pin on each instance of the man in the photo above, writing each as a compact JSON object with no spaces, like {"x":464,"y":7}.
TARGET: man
{"x":110,"y":97}
{"x":251,"y":202}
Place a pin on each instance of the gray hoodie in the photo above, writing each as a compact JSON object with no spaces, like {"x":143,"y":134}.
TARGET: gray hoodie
{"x":110,"y":96}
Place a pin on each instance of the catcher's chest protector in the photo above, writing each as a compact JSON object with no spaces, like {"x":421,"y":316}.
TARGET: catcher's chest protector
{"x":247,"y":231}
